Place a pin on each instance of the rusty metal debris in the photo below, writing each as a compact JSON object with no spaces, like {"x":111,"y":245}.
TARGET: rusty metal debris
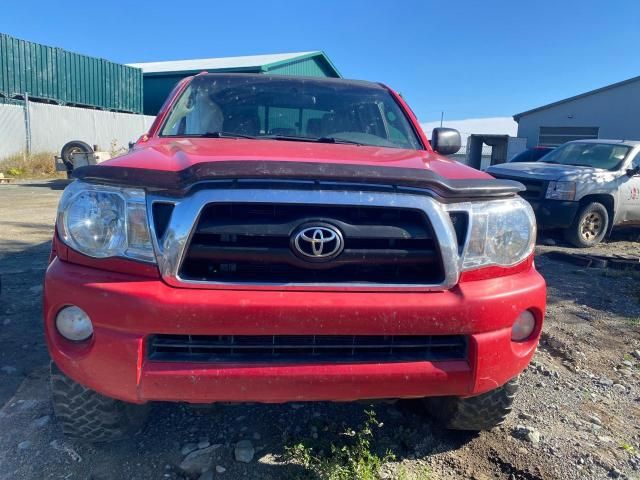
{"x":616,"y":261}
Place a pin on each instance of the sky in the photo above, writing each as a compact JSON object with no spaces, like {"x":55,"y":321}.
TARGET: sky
{"x":467,"y":59}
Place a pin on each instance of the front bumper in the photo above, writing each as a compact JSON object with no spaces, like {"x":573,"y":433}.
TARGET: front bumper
{"x":554,"y":213}
{"x":126,"y":309}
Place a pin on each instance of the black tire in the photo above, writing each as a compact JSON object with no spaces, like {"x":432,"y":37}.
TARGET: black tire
{"x":589,"y":227}
{"x":70,"y":148}
{"x":87,"y":415}
{"x":482,"y":412}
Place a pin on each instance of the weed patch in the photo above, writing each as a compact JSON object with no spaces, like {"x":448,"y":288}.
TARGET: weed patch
{"x":350,"y":458}
{"x":628,"y":448}
{"x":29,"y":166}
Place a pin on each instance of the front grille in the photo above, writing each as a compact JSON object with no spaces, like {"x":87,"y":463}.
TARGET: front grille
{"x":305,"y":348}
{"x":251,"y":243}
{"x":535,"y":189}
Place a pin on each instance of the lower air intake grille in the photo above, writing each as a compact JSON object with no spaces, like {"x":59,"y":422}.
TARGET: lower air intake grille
{"x":305,"y":348}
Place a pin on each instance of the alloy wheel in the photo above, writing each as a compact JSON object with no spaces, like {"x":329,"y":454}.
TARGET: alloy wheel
{"x":591,"y":226}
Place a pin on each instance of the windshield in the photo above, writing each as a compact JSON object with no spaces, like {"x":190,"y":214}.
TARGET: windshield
{"x":290,"y":109}
{"x":530,"y":155}
{"x":597,"y":155}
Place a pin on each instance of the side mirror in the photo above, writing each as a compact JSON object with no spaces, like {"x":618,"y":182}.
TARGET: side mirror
{"x":446,"y":141}
{"x":632,"y":172}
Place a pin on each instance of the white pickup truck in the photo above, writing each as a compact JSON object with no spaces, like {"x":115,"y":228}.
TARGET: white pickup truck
{"x":585,"y":187}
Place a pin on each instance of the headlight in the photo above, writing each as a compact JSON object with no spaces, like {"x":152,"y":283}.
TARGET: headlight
{"x":501,"y":232}
{"x":102,"y":221}
{"x":561,"y":190}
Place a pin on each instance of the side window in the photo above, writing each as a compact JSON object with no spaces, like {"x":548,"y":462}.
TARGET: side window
{"x":394,"y":126}
{"x":312,"y":122}
{"x":618,"y":155}
{"x":176,"y":121}
{"x":284,"y":121}
{"x":394,"y":133}
{"x":636,"y":160}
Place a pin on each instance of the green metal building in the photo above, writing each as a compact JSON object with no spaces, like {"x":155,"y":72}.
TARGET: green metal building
{"x":54,"y":75}
{"x":161,"y":77}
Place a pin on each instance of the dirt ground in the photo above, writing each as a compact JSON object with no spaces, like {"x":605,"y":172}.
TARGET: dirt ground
{"x":577,"y":415}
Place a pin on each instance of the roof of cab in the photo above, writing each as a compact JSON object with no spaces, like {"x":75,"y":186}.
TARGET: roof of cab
{"x":297,"y":79}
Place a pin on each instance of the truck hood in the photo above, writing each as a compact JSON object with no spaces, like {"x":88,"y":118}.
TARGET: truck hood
{"x":544,"y":171}
{"x":175,"y":166}
{"x":179,"y":154}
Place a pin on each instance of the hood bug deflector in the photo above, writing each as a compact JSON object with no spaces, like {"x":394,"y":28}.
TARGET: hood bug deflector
{"x":177,"y":182}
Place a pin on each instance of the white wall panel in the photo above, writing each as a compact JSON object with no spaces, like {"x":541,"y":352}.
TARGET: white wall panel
{"x":51,"y":126}
{"x":12,"y":130}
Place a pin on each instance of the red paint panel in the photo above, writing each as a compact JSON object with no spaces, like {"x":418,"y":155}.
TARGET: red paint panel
{"x":126,"y":308}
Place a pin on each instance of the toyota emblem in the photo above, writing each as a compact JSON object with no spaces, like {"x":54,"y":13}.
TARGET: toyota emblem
{"x":317,"y":242}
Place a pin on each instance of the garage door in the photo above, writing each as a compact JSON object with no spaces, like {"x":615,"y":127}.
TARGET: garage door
{"x":554,"y":136}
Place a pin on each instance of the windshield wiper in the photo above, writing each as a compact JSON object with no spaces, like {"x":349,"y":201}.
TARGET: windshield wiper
{"x":289,"y":138}
{"x":295,"y":138}
{"x":337,"y":140}
{"x":220,"y":134}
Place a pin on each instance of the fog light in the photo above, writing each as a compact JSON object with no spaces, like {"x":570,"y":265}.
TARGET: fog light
{"x":74,"y":324}
{"x":523,"y":327}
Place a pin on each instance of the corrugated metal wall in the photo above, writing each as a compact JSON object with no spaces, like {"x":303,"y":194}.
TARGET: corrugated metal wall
{"x":51,"y":126}
{"x":13,"y":136}
{"x":158,"y":85}
{"x":56,"y":75}
{"x":308,"y":67}
{"x":157,"y":89}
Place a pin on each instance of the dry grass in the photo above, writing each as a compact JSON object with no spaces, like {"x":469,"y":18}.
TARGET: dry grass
{"x":36,"y":165}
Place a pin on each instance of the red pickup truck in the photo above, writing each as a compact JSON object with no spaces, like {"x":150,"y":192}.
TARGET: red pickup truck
{"x":276,"y":239}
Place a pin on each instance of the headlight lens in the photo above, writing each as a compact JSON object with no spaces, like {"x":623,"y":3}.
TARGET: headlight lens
{"x":501,"y":232}
{"x":102,"y":221}
{"x":561,"y":190}
{"x":94,"y":222}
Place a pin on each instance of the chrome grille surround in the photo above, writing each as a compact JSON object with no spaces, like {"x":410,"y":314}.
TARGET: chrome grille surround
{"x":171,"y":248}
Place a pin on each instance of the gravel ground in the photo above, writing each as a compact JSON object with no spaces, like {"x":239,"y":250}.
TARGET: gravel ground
{"x":577,"y":415}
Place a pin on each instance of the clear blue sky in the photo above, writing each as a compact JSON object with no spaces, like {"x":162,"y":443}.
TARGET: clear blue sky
{"x":470,"y":59}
